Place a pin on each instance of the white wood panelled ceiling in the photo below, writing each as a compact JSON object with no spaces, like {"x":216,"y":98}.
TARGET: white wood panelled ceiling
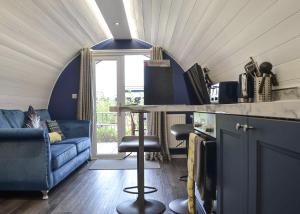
{"x":38,"y":37}
{"x":223,"y":34}
{"x":115,"y":17}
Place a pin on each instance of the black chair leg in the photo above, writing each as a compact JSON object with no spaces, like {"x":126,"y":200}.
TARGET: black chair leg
{"x":180,"y":206}
{"x":140,"y":205}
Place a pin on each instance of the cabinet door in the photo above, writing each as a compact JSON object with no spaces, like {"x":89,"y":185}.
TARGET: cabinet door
{"x":274,"y":166}
{"x":232,"y":152}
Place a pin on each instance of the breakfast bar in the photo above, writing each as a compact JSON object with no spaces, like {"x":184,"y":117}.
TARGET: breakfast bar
{"x":278,"y":109}
{"x":241,"y":128}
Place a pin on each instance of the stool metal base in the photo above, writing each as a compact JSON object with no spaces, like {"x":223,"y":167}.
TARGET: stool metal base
{"x":183,"y":178}
{"x":132,"y":207}
{"x":179,"y":206}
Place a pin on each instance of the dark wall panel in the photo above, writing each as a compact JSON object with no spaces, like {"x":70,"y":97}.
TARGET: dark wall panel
{"x":62,"y":106}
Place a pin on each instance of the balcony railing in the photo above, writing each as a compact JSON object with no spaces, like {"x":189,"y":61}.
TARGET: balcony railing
{"x":107,"y":126}
{"x":106,"y":119}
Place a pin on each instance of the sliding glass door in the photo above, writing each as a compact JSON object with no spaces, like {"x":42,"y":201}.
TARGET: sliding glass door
{"x":119,"y":80}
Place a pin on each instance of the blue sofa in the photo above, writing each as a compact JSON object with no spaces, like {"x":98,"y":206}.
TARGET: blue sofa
{"x":29,"y":162}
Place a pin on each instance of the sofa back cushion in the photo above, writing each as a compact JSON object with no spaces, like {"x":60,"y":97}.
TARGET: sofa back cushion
{"x":44,"y":114}
{"x":15,"y":118}
{"x":3,"y":121}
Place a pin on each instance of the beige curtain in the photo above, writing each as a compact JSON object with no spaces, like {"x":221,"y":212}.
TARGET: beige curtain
{"x":85,"y":105}
{"x":157,"y":121}
{"x":157,"y":125}
{"x":156,"y":53}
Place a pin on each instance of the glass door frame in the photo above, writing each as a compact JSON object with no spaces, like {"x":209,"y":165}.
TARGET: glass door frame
{"x":118,"y":56}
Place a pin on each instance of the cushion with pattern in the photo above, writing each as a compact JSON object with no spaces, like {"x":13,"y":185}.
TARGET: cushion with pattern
{"x":32,"y":119}
{"x":54,"y":127}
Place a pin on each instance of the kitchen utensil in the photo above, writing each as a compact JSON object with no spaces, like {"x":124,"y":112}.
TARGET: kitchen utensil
{"x":245,"y":88}
{"x":262,"y":84}
{"x":266,"y":93}
{"x":252,"y":69}
{"x":266,"y":67}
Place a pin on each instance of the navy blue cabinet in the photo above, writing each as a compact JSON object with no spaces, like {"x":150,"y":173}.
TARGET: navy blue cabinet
{"x":232,"y":152}
{"x":258,"y":165}
{"x":274,"y":166}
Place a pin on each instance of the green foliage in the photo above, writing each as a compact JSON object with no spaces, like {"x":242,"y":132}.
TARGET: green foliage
{"x":107,"y":134}
{"x":107,"y":121}
{"x":103,"y":103}
{"x":134,"y":98}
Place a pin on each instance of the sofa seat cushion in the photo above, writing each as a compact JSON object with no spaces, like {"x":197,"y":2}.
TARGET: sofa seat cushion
{"x":61,"y":154}
{"x":81,"y":143}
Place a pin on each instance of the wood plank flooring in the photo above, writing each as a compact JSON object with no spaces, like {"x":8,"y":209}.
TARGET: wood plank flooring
{"x":97,"y":191}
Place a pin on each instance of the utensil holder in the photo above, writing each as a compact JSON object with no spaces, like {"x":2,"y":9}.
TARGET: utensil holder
{"x":266,"y":95}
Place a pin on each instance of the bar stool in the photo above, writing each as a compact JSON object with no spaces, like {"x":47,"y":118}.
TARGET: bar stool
{"x":181,"y":132}
{"x":140,"y":205}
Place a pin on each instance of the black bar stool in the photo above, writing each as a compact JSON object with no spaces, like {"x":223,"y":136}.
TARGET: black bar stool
{"x":181,"y":132}
{"x":140,"y":144}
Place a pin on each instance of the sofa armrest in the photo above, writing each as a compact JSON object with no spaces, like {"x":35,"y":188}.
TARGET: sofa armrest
{"x":25,"y":159}
{"x":10,"y":134}
{"x":75,"y":128}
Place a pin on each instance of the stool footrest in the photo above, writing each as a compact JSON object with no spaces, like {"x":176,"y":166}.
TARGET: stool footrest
{"x":151,"y":190}
{"x":183,"y":178}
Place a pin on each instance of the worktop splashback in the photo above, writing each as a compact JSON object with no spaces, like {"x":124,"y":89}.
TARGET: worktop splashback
{"x":286,"y":94}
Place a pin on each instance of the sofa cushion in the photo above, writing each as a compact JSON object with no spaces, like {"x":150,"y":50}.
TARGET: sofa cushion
{"x":54,"y":137}
{"x":53,"y":126}
{"x":32,"y":119}
{"x":44,"y":114}
{"x":61,"y":154}
{"x":82,"y":143}
{"x":3,"y":122}
{"x":15,"y":118}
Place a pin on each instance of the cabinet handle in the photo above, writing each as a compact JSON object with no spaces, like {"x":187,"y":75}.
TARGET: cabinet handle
{"x":238,"y":126}
{"x":247,"y":127}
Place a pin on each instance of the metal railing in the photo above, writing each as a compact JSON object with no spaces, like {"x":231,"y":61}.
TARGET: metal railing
{"x":106,"y":119}
{"x":109,"y":119}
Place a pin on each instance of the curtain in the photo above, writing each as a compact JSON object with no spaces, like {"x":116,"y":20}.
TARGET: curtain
{"x":157,"y":125}
{"x":157,"y":121}
{"x":85,"y":105}
{"x":156,"y":53}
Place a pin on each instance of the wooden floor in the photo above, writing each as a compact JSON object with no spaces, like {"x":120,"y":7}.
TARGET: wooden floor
{"x":97,"y":191}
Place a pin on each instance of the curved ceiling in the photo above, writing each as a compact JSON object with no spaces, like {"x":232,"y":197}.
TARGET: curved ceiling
{"x":38,"y":38}
{"x":223,"y":34}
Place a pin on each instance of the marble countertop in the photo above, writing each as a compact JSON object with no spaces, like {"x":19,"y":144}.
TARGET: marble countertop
{"x":279,"y":109}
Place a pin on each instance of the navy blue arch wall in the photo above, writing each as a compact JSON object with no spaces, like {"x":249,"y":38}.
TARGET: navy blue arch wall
{"x":63,"y":107}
